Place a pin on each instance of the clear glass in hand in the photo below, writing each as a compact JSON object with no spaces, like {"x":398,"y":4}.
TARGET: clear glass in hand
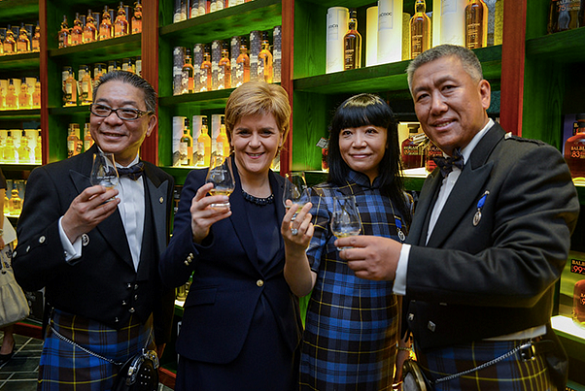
{"x":103,"y":171}
{"x":221,"y":175}
{"x":346,"y":220}
{"x":295,"y":189}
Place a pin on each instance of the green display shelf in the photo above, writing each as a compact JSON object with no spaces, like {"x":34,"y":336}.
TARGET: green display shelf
{"x":94,"y":52}
{"x":564,"y":47}
{"x":18,"y":62}
{"x":208,"y":100}
{"x":20,"y":114}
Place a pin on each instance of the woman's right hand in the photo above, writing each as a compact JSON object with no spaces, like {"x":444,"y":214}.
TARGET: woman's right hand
{"x":203,"y":216}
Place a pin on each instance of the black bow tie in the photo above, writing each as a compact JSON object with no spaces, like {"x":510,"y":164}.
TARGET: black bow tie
{"x":133,"y":172}
{"x":446,"y":164}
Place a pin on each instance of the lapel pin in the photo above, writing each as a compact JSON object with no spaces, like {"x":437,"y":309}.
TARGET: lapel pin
{"x":161,"y":200}
{"x":480,"y":204}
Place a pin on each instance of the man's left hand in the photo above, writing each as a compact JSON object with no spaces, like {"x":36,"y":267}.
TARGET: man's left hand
{"x":371,"y":257}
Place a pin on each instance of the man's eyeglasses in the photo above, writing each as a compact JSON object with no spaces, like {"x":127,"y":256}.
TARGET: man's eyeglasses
{"x":126,"y":114}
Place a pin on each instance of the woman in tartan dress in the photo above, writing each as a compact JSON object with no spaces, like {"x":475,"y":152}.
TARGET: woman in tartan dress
{"x":351,"y":329}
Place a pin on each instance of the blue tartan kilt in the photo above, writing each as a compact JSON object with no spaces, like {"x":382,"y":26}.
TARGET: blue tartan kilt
{"x":510,"y":374}
{"x":64,"y":366}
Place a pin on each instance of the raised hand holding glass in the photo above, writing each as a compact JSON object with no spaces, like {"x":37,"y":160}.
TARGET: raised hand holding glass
{"x":221,"y":175}
{"x":295,"y":190}
{"x":345,"y":220}
{"x":103,"y":170}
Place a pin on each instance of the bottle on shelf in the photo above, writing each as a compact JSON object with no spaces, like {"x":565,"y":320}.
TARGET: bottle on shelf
{"x":36,"y":95}
{"x":9,"y":44}
{"x":204,"y":145}
{"x":76,"y":31}
{"x":188,"y":74}
{"x":85,"y":85}
{"x":431,"y":151}
{"x":99,"y":70}
{"x":89,"y":30}
{"x":15,"y":203}
{"x":6,"y":204}
{"x":265,"y":60}
{"x":36,"y":39}
{"x":205,"y":74}
{"x":9,"y":156}
{"x":87,"y":139}
{"x":476,"y":24}
{"x":23,"y":43}
{"x":186,"y":146}
{"x":74,"y":144}
{"x":69,"y":87}
{"x":121,"y":22}
{"x":352,"y":44}
{"x":105,"y":31}
{"x":579,"y":303}
{"x":412,"y":155}
{"x":11,"y":98}
{"x":242,"y":64}
{"x":39,"y":149}
{"x":420,"y":30}
{"x":565,"y":15}
{"x":575,"y":149}
{"x":64,"y":34}
{"x":225,"y":67}
{"x":24,"y":98}
{"x":137,"y":18}
{"x":24,"y":151}
{"x":128,"y":65}
{"x":2,"y":103}
{"x":221,"y":142}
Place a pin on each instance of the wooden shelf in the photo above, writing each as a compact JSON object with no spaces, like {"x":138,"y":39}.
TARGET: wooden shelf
{"x":564,"y":47}
{"x":126,"y":46}
{"x":19,"y":62}
{"x":204,"y":100}
{"x":19,"y":10}
{"x":227,"y":23}
{"x":20,"y":114}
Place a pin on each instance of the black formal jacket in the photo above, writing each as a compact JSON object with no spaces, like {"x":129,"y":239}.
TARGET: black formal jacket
{"x":102,"y":285}
{"x":496,"y":277}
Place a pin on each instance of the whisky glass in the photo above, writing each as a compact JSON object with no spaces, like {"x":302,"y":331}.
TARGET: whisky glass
{"x":221,"y":175}
{"x":345,"y":220}
{"x":103,"y":170}
{"x":295,"y":190}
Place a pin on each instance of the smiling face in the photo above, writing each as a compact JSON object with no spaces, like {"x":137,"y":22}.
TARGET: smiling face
{"x":450,"y":105}
{"x":363,"y":148}
{"x":255,"y":140}
{"x":112,"y":134}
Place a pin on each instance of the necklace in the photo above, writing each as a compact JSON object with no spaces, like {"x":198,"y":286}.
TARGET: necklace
{"x":258,"y":201}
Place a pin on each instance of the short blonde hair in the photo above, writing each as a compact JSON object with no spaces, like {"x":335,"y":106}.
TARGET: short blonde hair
{"x":258,"y":98}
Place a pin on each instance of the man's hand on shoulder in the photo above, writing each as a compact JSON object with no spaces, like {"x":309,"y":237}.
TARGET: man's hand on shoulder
{"x":371,"y":257}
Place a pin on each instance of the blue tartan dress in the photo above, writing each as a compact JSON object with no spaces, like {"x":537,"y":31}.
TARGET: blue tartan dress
{"x":351,"y":327}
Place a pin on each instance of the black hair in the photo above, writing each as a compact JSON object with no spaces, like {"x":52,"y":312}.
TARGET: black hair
{"x":362,"y":110}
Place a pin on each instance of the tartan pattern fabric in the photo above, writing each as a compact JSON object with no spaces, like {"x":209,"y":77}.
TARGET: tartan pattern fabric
{"x":510,"y":374}
{"x":351,"y":325}
{"x":64,"y":366}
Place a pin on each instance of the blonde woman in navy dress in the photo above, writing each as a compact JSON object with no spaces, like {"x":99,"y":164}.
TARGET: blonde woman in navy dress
{"x":351,"y":329}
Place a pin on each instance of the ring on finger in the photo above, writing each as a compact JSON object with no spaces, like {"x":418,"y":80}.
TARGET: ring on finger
{"x":294,"y":231}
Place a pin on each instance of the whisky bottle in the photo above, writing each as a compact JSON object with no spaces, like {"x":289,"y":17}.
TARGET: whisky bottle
{"x":39,"y":149}
{"x":36,"y":39}
{"x":99,"y":70}
{"x":85,"y":86}
{"x":265,"y":60}
{"x":476,"y":24}
{"x":76,"y":31}
{"x":11,"y":98}
{"x":9,"y":44}
{"x":105,"y":31}
{"x":187,"y":79}
{"x":575,"y":149}
{"x":15,"y":203}
{"x":565,"y":15}
{"x":352,"y":44}
{"x":24,"y":98}
{"x":579,"y":303}
{"x":24,"y":151}
{"x":73,"y":142}
{"x":221,"y":142}
{"x":431,"y":151}
{"x":2,"y":103}
{"x":6,"y":204}
{"x":121,"y":23}
{"x":205,"y":74}
{"x":225,"y":68}
{"x":499,"y":22}
{"x":9,"y":155}
{"x":412,"y":155}
{"x":204,"y":144}
{"x":137,"y":18}
{"x":242,"y":64}
{"x":64,"y":34}
{"x":420,"y":30}
{"x":186,"y":146}
{"x":89,"y":30}
{"x":87,"y":139}
{"x":36,"y":95}
{"x":23,"y":43}
{"x":69,"y":88}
